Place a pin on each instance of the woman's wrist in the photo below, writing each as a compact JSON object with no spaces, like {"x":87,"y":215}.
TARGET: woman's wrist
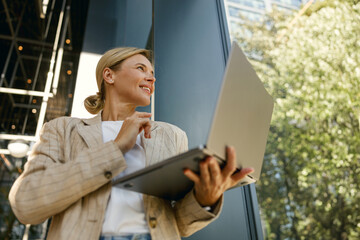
{"x":120,"y":146}
{"x":206,"y":204}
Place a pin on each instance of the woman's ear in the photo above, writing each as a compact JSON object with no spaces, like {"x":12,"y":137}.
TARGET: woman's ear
{"x":107,"y":75}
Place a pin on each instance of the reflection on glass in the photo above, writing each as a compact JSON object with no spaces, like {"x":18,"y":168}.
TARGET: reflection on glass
{"x":295,"y":3}
{"x":260,"y":4}
{"x":237,"y":12}
{"x":307,"y":188}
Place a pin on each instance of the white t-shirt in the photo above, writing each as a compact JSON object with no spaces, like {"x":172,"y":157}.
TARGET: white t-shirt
{"x":125,"y":210}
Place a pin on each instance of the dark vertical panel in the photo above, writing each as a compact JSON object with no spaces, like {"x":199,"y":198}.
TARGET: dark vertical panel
{"x":253,"y":212}
{"x":138,"y":22}
{"x":117,"y":23}
{"x":189,"y":64}
{"x":101,"y":25}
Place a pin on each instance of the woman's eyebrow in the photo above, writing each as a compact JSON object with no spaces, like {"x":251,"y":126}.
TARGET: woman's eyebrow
{"x":152,"y":72}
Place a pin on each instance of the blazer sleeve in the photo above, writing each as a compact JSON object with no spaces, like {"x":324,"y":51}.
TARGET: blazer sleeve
{"x":50,"y":183}
{"x":190,"y":216}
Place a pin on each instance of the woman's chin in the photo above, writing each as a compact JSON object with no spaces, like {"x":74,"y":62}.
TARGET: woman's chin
{"x":144,"y":104}
{"x":141,"y":101}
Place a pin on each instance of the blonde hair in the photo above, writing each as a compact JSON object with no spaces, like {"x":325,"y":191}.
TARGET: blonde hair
{"x":111,"y":59}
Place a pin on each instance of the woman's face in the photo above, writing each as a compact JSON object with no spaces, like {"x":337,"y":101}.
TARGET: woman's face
{"x":134,"y":81}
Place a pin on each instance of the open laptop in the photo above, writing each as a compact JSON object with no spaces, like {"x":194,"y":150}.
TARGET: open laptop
{"x":241,"y":119}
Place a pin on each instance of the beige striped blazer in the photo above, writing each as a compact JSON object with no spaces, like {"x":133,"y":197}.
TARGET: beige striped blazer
{"x":67,"y":177}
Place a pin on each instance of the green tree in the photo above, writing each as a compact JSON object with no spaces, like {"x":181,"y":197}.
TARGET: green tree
{"x":309,"y":188}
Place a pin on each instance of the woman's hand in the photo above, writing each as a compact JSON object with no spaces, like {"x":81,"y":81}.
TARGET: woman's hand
{"x":131,"y":127}
{"x":212,"y":181}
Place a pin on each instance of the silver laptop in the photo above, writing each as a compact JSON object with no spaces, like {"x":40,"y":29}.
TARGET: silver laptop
{"x":241,"y":119}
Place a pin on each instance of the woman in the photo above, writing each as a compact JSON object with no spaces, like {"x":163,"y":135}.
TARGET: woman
{"x":69,"y":172}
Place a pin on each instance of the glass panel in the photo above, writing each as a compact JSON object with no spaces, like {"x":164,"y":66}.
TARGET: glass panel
{"x":251,"y":3}
{"x":237,"y":12}
{"x":309,"y":192}
{"x":294,"y":3}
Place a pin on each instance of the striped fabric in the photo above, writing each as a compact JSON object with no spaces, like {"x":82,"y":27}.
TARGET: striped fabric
{"x":67,"y":177}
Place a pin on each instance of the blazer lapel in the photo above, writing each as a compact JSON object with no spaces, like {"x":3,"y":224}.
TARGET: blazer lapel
{"x":159,"y":147}
{"x":91,"y":131}
{"x":150,"y":145}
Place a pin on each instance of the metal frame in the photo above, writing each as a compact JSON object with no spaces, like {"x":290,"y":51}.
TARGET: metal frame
{"x":13,"y":42}
{"x":50,"y":77}
{"x":51,"y":81}
{"x":40,"y":59}
{"x":24,"y":92}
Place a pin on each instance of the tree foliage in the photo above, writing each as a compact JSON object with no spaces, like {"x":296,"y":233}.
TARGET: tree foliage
{"x":309,"y":188}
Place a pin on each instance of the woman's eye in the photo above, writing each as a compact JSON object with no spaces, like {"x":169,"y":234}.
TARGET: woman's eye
{"x":141,"y":68}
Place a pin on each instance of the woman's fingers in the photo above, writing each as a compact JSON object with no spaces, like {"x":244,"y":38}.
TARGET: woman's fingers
{"x":131,"y":127}
{"x":229,"y":169}
{"x":215,"y":172}
{"x":147,"y":131}
{"x":230,"y":166}
{"x":144,"y":124}
{"x":211,"y":183}
{"x":240,"y":175}
{"x":142,"y":114}
{"x":204,"y":171}
{"x":144,"y":121}
{"x":192,"y":176}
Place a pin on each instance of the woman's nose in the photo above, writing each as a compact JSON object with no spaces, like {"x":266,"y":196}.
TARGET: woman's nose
{"x":151,"y":78}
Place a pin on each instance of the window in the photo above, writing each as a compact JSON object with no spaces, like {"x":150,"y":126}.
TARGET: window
{"x":260,"y":4}
{"x":294,"y":3}
{"x":237,"y":12}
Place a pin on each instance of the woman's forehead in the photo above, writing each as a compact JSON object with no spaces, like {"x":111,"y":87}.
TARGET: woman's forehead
{"x":138,"y":58}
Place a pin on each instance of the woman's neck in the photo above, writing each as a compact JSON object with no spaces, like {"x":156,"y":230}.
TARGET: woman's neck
{"x":116,"y":112}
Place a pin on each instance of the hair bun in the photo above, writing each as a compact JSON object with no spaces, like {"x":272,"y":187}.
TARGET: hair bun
{"x":94,"y":103}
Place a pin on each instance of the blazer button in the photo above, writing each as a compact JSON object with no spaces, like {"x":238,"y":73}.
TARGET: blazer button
{"x":108,"y":175}
{"x":152,"y":222}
